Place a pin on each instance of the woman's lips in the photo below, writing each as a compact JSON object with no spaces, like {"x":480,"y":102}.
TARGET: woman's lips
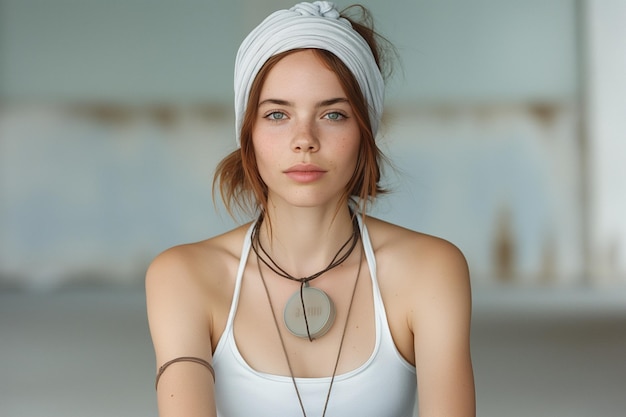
{"x":305,"y":173}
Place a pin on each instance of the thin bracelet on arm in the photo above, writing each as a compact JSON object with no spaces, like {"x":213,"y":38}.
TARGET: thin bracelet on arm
{"x":183,"y":359}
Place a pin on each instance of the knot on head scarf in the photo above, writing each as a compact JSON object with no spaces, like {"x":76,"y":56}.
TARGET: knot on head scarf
{"x":315,"y":25}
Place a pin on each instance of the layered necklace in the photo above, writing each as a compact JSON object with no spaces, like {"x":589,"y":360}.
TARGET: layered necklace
{"x":320,"y":302}
{"x":309,"y":312}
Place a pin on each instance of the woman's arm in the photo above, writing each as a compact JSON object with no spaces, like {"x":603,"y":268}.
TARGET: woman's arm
{"x":180,"y":327}
{"x":441,"y":328}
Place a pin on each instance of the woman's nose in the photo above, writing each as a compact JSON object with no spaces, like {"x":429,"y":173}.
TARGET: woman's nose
{"x":305,"y":138}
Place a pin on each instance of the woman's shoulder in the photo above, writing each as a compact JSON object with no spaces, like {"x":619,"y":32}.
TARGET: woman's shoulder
{"x":198,"y":263}
{"x":415,"y":255}
{"x":389,"y":237}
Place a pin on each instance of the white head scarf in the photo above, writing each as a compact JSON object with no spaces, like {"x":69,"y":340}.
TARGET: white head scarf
{"x":308,"y":25}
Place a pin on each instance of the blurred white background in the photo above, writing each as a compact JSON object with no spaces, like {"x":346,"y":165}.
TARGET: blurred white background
{"x":505,"y":123}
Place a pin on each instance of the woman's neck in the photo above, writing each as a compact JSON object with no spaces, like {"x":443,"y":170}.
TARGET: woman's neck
{"x":304,"y":240}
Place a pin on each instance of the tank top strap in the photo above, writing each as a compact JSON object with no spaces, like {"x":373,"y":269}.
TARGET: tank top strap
{"x":379,"y":307}
{"x":243,"y":260}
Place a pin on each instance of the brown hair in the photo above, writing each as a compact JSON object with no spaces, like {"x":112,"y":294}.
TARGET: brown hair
{"x":240,"y":183}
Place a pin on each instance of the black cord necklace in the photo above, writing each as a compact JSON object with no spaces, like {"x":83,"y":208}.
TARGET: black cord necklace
{"x":309,"y":313}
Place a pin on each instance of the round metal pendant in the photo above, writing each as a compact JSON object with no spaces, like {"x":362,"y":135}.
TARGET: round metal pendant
{"x":320,"y":313}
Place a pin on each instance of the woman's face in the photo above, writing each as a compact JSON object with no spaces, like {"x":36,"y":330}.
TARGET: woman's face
{"x":305,"y":135}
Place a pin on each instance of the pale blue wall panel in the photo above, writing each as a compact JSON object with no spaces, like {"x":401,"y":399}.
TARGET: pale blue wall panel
{"x":138,"y":50}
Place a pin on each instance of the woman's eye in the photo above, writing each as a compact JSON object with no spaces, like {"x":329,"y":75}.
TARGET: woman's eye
{"x":335,"y":116}
{"x":276,"y":115}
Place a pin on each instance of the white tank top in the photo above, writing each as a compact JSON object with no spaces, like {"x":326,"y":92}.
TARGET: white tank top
{"x":384,"y":386}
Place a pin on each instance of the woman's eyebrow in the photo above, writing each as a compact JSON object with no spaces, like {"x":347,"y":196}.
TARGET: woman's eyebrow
{"x":332,"y":101}
{"x":276,"y":101}
{"x":323,"y":103}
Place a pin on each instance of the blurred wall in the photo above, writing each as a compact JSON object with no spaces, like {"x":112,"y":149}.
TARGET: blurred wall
{"x":183,"y":50}
{"x":606,"y":92}
{"x":114,"y":114}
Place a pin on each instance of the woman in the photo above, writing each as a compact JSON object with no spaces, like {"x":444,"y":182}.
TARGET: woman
{"x":315,"y":308}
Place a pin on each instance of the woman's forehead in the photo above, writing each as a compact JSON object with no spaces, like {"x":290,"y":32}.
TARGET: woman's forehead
{"x":300,"y":75}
